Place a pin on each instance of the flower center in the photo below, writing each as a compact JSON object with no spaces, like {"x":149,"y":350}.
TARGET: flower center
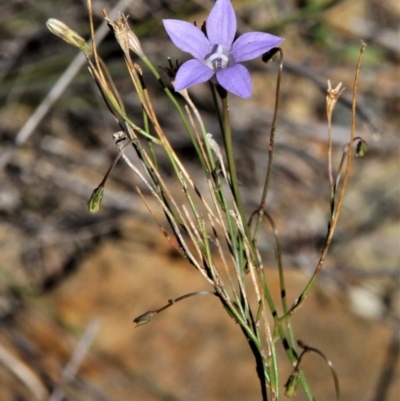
{"x":218,"y":59}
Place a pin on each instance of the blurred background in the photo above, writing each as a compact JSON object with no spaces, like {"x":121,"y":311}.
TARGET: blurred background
{"x":71,"y":282}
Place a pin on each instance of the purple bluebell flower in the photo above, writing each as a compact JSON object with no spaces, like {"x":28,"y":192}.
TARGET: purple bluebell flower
{"x":217,"y":55}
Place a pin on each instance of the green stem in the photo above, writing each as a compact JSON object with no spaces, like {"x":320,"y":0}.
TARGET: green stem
{"x":227,"y":136}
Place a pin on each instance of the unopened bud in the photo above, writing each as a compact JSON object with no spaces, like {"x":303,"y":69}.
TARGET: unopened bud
{"x":95,"y":200}
{"x":361,"y":148}
{"x":145,"y":318}
{"x":61,"y":30}
{"x":292,"y":384}
{"x":269,"y":55}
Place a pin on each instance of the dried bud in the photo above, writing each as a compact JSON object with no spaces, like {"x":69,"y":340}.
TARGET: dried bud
{"x":95,"y":200}
{"x":134,"y":44}
{"x":332,"y":97}
{"x":125,"y":37}
{"x":61,"y":30}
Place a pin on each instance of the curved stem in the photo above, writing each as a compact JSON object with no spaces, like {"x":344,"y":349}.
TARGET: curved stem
{"x":271,"y":144}
{"x":306,"y":349}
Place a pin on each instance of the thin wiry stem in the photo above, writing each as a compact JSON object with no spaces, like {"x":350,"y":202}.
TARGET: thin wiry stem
{"x":271,"y":147}
{"x":149,"y":315}
{"x":333,"y":223}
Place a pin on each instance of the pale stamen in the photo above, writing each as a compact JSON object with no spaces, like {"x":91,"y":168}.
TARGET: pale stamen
{"x":218,"y":59}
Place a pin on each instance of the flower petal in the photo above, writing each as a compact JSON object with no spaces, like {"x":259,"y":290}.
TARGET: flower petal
{"x":221,"y":24}
{"x":253,"y":44}
{"x":236,"y":79}
{"x":187,"y":37}
{"x":191,"y":73}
